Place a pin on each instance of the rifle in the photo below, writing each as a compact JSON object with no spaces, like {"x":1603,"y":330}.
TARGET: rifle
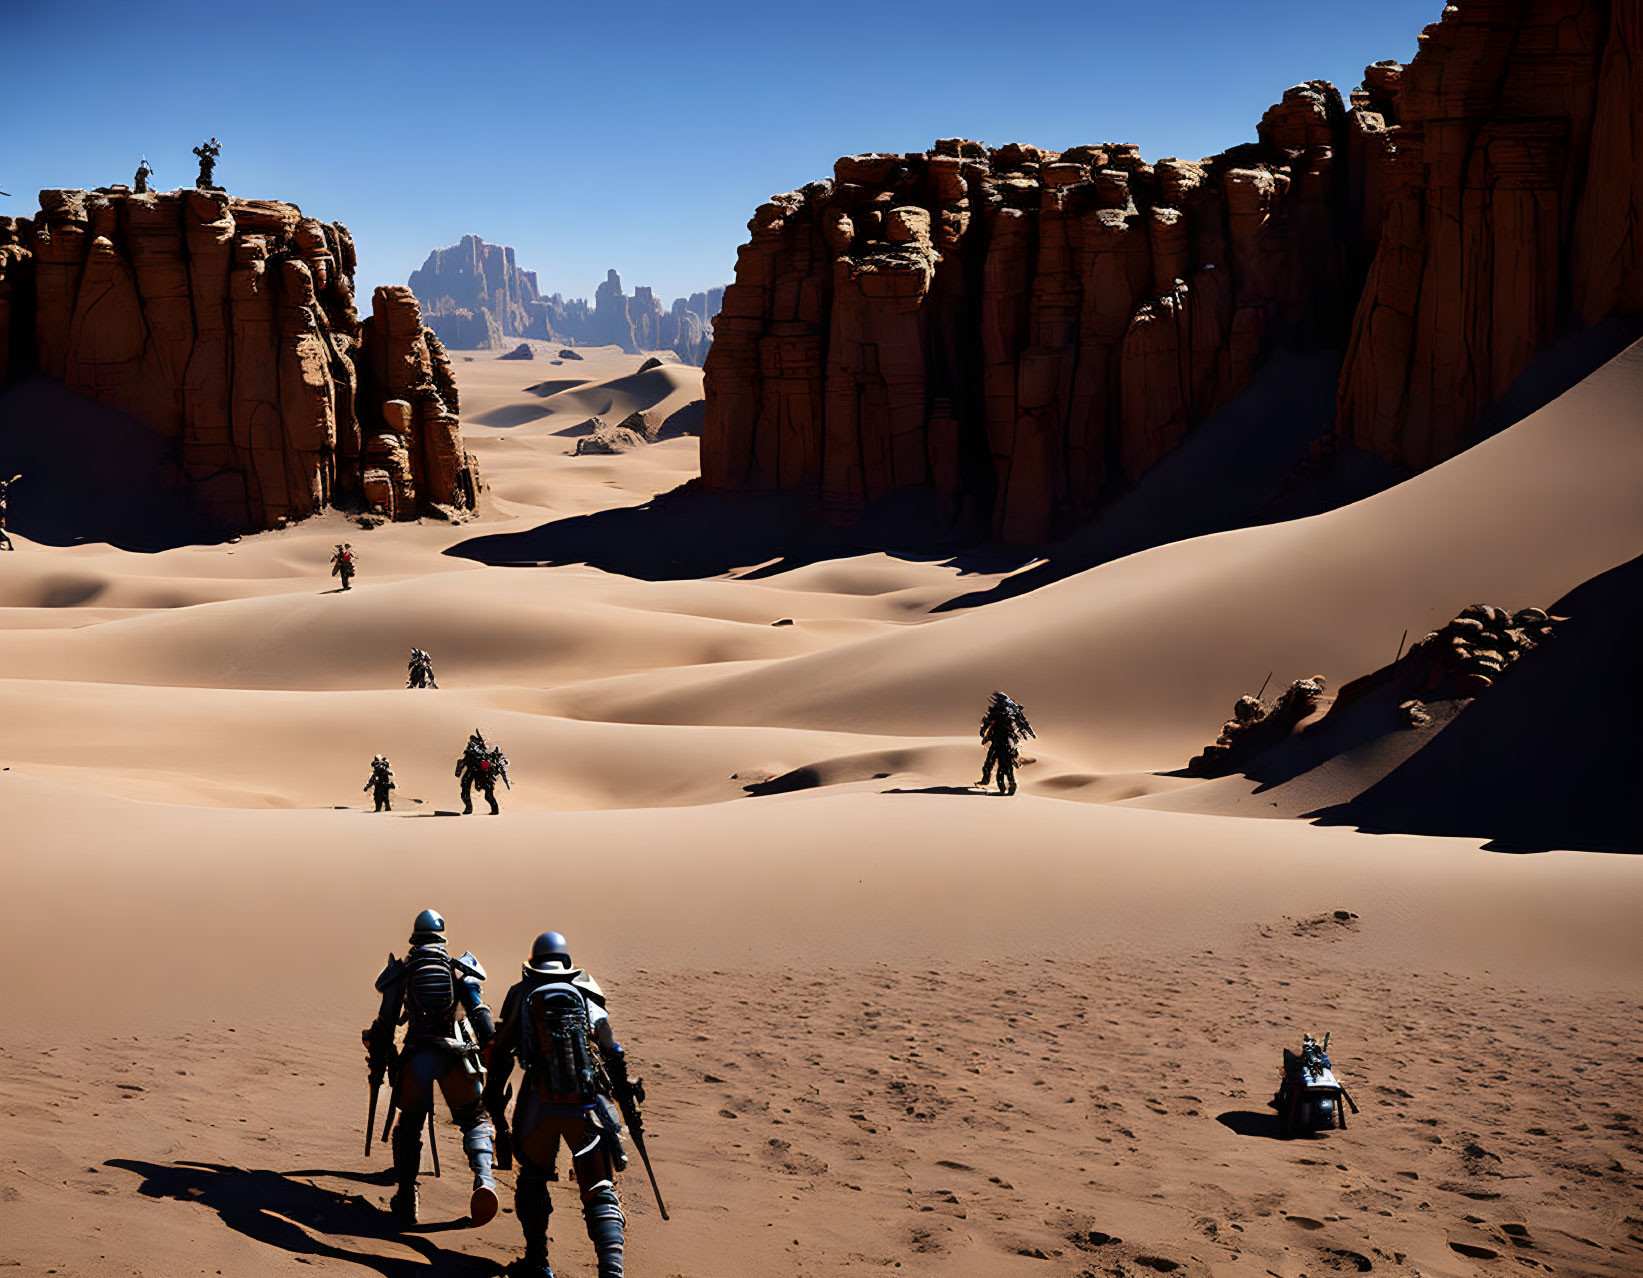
{"x":378,"y":1069}
{"x":432,"y":1147}
{"x":630,"y":1097}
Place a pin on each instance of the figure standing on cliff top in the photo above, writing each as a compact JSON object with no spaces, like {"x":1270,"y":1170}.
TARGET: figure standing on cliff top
{"x":380,"y":782}
{"x":208,"y":153}
{"x":342,"y":563}
{"x":1003,"y":728}
{"x":5,"y":484}
{"x":145,"y":170}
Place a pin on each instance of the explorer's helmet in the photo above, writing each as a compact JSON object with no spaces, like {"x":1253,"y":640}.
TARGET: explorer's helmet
{"x":550,"y":945}
{"x":429,"y":929}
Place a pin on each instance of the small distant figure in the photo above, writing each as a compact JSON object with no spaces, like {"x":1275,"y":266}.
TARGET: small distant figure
{"x":482,"y":765}
{"x":342,"y":563}
{"x":5,"y":540}
{"x":1003,"y":728}
{"x":139,"y":184}
{"x":208,"y":153}
{"x":380,"y":782}
{"x":421,"y":670}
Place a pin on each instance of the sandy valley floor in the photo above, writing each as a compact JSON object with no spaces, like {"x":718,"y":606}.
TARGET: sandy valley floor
{"x":885,"y":1022}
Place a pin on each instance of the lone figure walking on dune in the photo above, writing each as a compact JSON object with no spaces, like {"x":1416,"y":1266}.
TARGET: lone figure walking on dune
{"x":1003,"y":727}
{"x":380,"y":782}
{"x":342,"y":564}
{"x":482,"y":765}
{"x":4,"y":485}
{"x":420,"y":670}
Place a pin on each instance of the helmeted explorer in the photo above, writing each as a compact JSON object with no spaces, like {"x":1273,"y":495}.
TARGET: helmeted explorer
{"x":420,"y":670}
{"x":1003,"y":727}
{"x":380,"y":782}
{"x":343,"y":563}
{"x":482,"y":765}
{"x":448,"y":1030}
{"x":555,"y":1024}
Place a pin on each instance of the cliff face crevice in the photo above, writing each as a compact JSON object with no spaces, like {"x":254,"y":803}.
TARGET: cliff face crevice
{"x":1026,"y":333}
{"x":227,"y":327}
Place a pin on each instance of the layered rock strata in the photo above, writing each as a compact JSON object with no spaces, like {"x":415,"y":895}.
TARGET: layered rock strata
{"x":1027,"y":332}
{"x":228,"y":327}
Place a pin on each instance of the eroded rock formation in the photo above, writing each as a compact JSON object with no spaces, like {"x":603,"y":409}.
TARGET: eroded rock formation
{"x":1027,"y":332}
{"x":228,"y":326}
{"x":475,"y":297}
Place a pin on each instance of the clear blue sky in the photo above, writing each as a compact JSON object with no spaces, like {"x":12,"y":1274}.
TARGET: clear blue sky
{"x":637,"y":136}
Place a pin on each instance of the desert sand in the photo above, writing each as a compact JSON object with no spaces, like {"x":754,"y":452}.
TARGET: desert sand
{"x":886,"y":1022}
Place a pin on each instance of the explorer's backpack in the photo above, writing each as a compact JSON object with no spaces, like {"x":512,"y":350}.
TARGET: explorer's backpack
{"x":556,"y":1044}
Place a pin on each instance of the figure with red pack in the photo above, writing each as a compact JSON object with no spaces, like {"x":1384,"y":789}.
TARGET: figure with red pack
{"x":482,"y":765}
{"x":343,"y":564}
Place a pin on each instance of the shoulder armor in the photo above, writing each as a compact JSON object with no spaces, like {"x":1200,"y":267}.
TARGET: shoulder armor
{"x":390,"y":974}
{"x":468,"y":965}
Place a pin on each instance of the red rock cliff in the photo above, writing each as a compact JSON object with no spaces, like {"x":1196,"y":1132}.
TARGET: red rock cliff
{"x":228,"y":326}
{"x":1027,"y":332}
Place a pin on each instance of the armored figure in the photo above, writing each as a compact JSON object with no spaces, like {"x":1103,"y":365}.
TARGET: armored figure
{"x":380,"y":782}
{"x":555,"y":1024}
{"x":1309,"y":1096}
{"x":448,"y":1032}
{"x":342,"y":563}
{"x":482,"y":765}
{"x":145,"y":170}
{"x":208,"y":153}
{"x":5,"y":540}
{"x":421,"y":670}
{"x":1003,"y":728}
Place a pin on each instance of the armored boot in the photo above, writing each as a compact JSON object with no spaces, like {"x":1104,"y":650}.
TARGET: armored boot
{"x":604,"y":1216}
{"x":491,"y":799}
{"x":533,"y":1207}
{"x":476,"y":1144}
{"x":407,"y":1162}
{"x":467,"y":796}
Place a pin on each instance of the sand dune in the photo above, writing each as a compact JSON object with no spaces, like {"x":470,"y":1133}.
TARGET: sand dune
{"x":887,"y":1023}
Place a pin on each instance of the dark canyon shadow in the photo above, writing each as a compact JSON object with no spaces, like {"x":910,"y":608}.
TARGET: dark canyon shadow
{"x":92,"y":474}
{"x":283,"y":1210}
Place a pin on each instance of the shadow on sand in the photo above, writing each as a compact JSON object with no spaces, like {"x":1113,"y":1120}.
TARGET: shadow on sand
{"x":281,"y":1210}
{"x":975,"y":790}
{"x":1249,"y":1122}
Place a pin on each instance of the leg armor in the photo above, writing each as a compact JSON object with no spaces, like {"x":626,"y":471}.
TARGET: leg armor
{"x":533,"y":1207}
{"x":490,"y":798}
{"x":407,"y":1162}
{"x":467,"y":793}
{"x":604,"y":1216}
{"x":477,"y":1134}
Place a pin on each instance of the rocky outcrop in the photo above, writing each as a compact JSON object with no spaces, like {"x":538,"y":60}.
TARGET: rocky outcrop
{"x":473,"y":294}
{"x":1020,"y":330}
{"x":1027,"y":332}
{"x":227,"y":327}
{"x":1507,"y":154}
{"x":475,"y":297}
